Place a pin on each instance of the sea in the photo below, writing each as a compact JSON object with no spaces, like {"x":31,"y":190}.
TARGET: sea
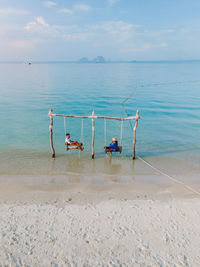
{"x":167,"y":95}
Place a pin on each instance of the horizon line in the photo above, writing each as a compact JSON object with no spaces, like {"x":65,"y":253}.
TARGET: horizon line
{"x":96,"y":62}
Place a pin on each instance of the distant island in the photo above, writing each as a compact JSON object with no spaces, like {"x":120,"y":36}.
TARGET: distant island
{"x":98,"y":59}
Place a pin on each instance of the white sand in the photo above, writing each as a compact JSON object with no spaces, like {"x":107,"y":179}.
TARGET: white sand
{"x":107,"y":233}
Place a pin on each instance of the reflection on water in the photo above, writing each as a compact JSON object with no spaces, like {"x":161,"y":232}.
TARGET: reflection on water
{"x":114,"y":166}
{"x":65,"y":169}
{"x":73,"y":168}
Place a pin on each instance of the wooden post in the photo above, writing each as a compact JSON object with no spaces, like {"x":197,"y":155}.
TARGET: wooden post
{"x":93,"y":134}
{"x":134,"y":132}
{"x":51,"y":133}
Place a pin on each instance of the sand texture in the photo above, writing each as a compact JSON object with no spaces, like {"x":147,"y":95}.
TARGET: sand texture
{"x":108,"y":233}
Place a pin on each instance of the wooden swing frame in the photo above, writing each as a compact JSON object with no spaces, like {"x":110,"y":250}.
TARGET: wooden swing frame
{"x":92,"y":117}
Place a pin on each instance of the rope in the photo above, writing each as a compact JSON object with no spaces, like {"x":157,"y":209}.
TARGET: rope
{"x":121,"y":133}
{"x":169,"y":83}
{"x":105,"y":141}
{"x":170,"y":177}
{"x":126,"y":99}
{"x":65,"y":129}
{"x":149,"y":85}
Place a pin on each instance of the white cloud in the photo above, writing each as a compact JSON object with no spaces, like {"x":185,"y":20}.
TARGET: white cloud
{"x":71,"y":32}
{"x":66,"y":11}
{"x":38,"y":26}
{"x":107,"y":38}
{"x":121,"y":31}
{"x":117,"y":36}
{"x":82,"y":7}
{"x":116,"y":31}
{"x":129,"y":38}
{"x":112,"y":2}
{"x":40,"y":20}
{"x":49,"y":4}
{"x":13,"y":11}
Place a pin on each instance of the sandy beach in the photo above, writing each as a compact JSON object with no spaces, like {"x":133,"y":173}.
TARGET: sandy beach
{"x":85,"y":224}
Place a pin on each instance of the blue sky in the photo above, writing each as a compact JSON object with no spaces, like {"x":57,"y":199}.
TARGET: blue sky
{"x":115,"y":29}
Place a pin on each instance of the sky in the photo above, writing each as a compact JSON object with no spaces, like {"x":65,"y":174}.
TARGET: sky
{"x":61,"y":30}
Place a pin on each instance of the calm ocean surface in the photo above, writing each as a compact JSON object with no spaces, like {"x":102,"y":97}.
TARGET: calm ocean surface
{"x":168,"y":101}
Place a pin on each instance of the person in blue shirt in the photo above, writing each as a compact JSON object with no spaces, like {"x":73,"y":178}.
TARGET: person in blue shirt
{"x":114,"y":145}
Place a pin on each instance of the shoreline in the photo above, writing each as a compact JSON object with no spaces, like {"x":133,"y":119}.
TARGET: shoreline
{"x":79,"y":193}
{"x":169,"y":178}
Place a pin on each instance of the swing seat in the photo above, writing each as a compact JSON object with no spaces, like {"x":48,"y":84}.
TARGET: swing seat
{"x":73,"y":147}
{"x":108,"y":149}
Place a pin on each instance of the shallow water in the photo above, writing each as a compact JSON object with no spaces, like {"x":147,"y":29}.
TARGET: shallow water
{"x":168,"y":103}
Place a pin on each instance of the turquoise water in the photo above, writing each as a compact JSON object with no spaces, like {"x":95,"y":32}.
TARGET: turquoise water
{"x":169,"y":110}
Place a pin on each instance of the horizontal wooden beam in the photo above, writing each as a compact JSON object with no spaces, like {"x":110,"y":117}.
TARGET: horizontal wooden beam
{"x":98,"y":117}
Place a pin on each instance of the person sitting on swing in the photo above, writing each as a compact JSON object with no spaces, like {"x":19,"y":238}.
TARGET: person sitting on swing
{"x":77,"y":145}
{"x":114,"y":145}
